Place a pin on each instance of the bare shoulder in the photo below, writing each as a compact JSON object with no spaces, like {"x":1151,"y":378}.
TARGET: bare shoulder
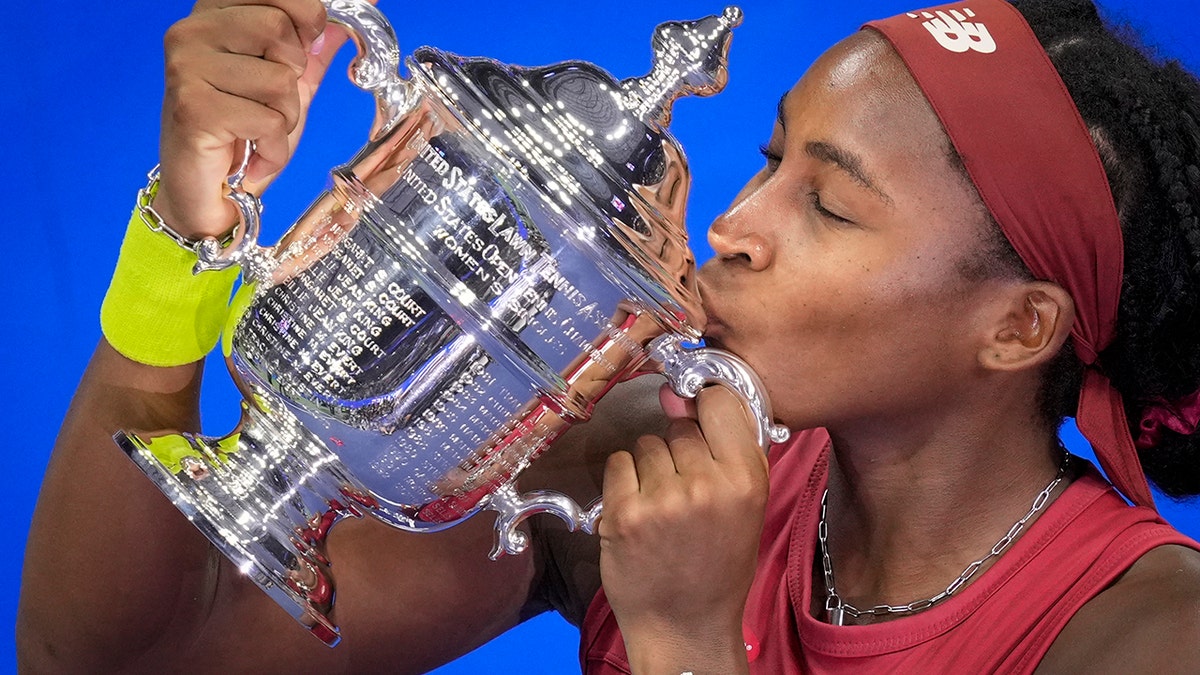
{"x":1148,"y":621}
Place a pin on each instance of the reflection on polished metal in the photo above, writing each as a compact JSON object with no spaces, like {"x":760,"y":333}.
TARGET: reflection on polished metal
{"x":507,"y":246}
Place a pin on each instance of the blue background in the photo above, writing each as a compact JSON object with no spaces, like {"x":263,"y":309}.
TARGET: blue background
{"x":79,"y":114}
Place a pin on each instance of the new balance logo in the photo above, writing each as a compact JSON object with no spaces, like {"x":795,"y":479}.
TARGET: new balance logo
{"x":954,"y":32}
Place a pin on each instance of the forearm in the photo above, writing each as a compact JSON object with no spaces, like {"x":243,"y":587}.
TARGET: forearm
{"x":112,"y":570}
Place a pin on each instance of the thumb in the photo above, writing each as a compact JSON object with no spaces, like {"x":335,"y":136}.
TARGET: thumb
{"x":675,"y":406}
{"x":321,"y":54}
{"x":729,"y":428}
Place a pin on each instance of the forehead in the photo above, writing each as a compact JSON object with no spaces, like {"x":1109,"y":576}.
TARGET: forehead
{"x":860,"y":95}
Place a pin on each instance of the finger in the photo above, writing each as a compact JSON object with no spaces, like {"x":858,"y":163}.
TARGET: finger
{"x":321,"y":54}
{"x":317,"y":64}
{"x":620,"y":478}
{"x":213,"y":122}
{"x":216,"y":97}
{"x":307,"y":17}
{"x":290,"y":33}
{"x":689,"y":450}
{"x":254,"y":79}
{"x":264,"y":109}
{"x":268,"y":34}
{"x":257,"y":31}
{"x":196,"y":161}
{"x":727,"y":426}
{"x":271,"y":154}
{"x":655,"y":467}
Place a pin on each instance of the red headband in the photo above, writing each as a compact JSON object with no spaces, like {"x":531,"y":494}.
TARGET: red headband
{"x":1032,"y":159}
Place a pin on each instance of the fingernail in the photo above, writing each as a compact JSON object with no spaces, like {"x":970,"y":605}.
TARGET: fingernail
{"x":317,"y":44}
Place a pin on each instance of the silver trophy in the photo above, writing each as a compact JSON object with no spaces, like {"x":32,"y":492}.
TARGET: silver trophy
{"x":507,"y":246}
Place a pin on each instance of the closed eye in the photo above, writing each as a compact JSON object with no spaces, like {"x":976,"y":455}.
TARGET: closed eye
{"x":814,"y":198}
{"x":772,"y":158}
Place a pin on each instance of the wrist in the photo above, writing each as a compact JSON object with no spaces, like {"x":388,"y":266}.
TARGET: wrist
{"x":156,"y":311}
{"x":224,"y":214}
{"x":674,"y":650}
{"x":158,"y":212}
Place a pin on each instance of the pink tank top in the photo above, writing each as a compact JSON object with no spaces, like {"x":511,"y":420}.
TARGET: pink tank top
{"x":1003,"y":622}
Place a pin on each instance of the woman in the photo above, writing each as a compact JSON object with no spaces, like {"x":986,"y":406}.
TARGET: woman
{"x":867,"y":273}
{"x":868,"y":264}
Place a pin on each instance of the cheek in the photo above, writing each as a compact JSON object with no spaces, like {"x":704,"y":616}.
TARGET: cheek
{"x":858,"y":286}
{"x":879,"y":309}
{"x":919,"y":304}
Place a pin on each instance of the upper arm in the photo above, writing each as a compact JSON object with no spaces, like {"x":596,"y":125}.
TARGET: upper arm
{"x":1148,"y":621}
{"x":405,"y":603}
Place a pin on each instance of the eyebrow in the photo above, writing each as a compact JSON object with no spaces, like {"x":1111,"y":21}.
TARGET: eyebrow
{"x":847,"y":161}
{"x":779,"y":110}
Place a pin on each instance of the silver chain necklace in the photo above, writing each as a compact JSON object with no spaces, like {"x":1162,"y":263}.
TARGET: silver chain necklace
{"x":838,"y":609}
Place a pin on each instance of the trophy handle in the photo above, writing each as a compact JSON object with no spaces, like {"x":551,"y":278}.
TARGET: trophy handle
{"x":241,"y":248}
{"x":513,"y":508}
{"x":688,"y":370}
{"x":376,"y":70}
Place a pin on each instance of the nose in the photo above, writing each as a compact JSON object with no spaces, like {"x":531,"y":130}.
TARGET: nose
{"x":739,"y":234}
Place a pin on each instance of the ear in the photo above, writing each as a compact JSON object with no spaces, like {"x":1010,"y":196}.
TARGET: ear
{"x":1032,"y":331}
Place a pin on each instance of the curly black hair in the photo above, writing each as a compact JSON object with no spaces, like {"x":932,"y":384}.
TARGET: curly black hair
{"x":1144,"y":116}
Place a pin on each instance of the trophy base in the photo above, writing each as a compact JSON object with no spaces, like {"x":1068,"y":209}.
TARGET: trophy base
{"x":268,"y":523}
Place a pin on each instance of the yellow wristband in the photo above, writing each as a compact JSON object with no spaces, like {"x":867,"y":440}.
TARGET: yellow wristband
{"x":156,"y":310}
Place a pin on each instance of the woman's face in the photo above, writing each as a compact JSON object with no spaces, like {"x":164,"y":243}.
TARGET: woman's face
{"x":838,"y":268}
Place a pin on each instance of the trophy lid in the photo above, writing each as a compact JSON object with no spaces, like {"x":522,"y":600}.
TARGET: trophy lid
{"x":586,"y":139}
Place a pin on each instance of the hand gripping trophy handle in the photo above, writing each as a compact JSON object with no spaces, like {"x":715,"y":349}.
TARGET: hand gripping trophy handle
{"x":376,"y":70}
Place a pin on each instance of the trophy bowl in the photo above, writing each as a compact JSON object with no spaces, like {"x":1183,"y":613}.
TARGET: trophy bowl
{"x":507,"y":246}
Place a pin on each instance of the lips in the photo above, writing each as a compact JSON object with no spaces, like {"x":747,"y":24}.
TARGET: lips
{"x":715,"y":326}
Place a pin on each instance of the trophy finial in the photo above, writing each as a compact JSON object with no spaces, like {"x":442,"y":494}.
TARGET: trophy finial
{"x":690,"y":57}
